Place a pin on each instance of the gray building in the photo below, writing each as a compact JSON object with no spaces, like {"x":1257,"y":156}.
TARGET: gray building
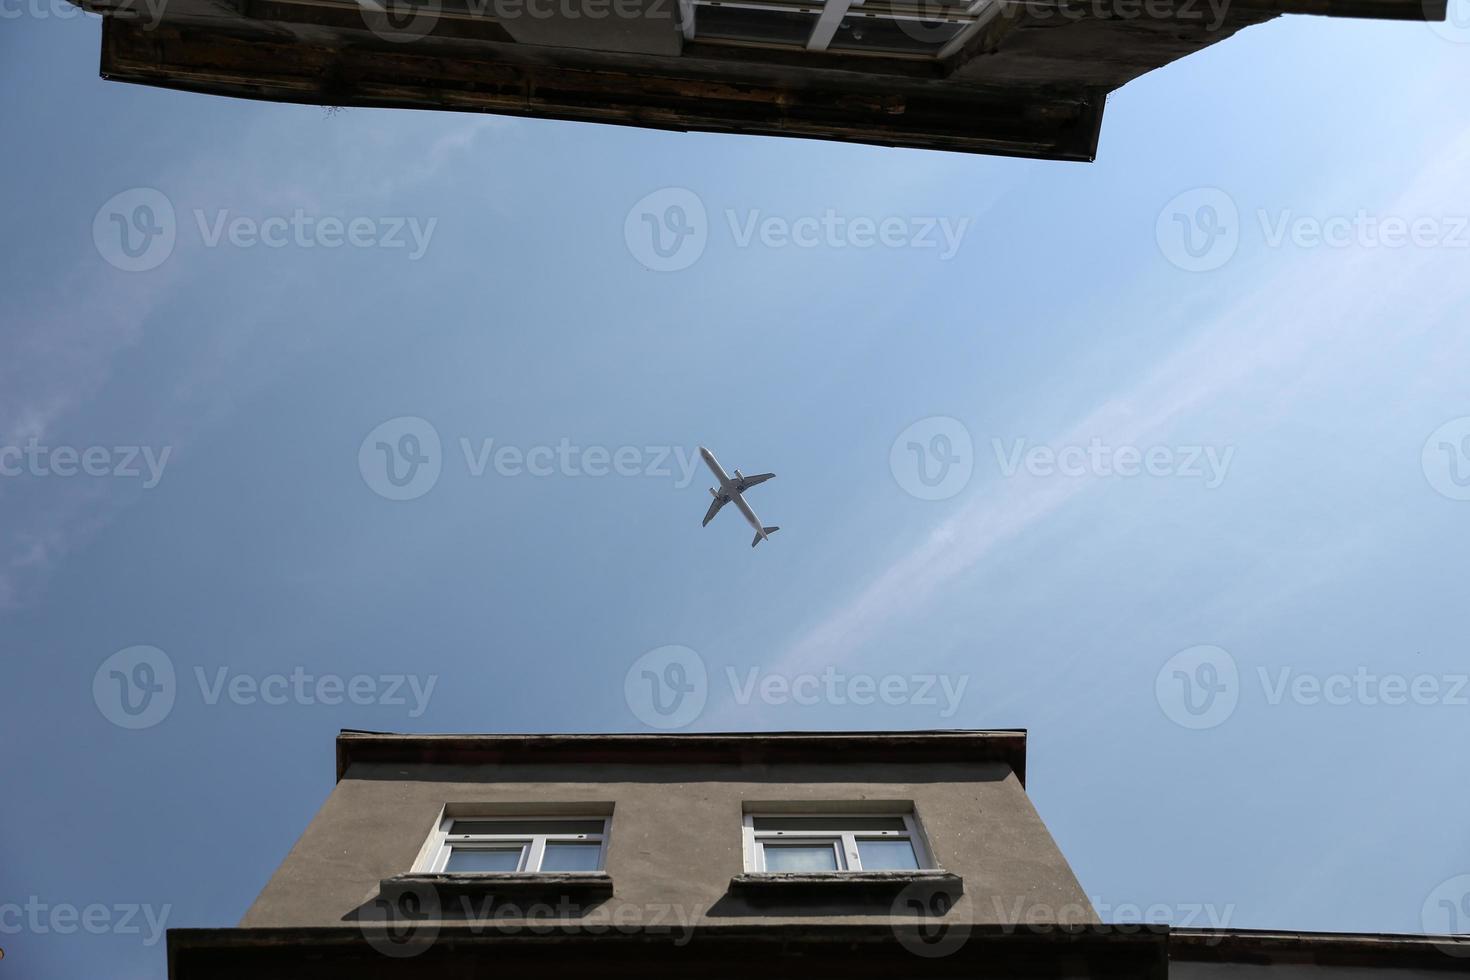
{"x":1016,"y":77}
{"x":873,"y":854}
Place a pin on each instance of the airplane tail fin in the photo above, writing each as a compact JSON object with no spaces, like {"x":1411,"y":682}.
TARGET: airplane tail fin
{"x":765,"y":532}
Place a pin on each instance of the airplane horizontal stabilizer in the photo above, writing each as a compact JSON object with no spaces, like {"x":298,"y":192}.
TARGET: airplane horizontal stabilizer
{"x":764,"y":532}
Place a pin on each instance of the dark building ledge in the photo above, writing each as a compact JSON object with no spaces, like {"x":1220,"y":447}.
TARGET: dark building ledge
{"x":385,"y":749}
{"x":500,"y":888}
{"x":715,"y":952}
{"x":782,"y":887}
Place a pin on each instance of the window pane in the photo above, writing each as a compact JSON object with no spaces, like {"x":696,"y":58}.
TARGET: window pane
{"x":743,"y":24}
{"x":800,"y":857}
{"x":873,"y":35}
{"x":887,"y":855}
{"x":810,"y":824}
{"x":483,"y":859}
{"x":527,"y":827}
{"x":572,"y":857}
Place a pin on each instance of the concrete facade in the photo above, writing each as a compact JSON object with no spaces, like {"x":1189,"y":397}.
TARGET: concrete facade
{"x":675,"y":899}
{"x":675,"y":834}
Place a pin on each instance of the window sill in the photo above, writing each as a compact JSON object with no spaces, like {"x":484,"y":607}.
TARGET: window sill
{"x":572,"y":886}
{"x":844,"y":884}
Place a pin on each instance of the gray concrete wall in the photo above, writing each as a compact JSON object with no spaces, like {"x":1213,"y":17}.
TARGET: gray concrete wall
{"x":675,"y":836}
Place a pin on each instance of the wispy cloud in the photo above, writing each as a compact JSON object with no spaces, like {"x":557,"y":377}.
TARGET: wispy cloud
{"x":64,"y":340}
{"x":1302,"y":309}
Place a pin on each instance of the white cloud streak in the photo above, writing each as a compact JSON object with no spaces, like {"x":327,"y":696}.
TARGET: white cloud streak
{"x":1301,"y":310}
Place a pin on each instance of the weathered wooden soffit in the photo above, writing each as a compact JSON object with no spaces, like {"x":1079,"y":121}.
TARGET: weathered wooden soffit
{"x":1015,"y":77}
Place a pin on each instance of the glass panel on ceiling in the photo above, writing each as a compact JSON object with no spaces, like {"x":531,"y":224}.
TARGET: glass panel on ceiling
{"x":874,"y":35}
{"x":788,"y":27}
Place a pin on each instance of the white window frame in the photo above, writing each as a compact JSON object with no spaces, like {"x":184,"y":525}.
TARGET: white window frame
{"x":845,"y":842}
{"x":435,"y":855}
{"x":830,"y":13}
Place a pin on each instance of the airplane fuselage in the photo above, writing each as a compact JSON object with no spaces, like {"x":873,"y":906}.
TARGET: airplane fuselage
{"x":729,"y":488}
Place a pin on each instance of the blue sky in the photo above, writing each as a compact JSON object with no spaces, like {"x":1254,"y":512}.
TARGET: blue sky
{"x":1314,"y":565}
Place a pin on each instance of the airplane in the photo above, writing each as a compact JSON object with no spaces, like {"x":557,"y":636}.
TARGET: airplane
{"x":734,"y":489}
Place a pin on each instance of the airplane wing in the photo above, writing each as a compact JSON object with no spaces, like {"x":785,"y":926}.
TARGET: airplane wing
{"x":714,"y":508}
{"x":747,"y":482}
